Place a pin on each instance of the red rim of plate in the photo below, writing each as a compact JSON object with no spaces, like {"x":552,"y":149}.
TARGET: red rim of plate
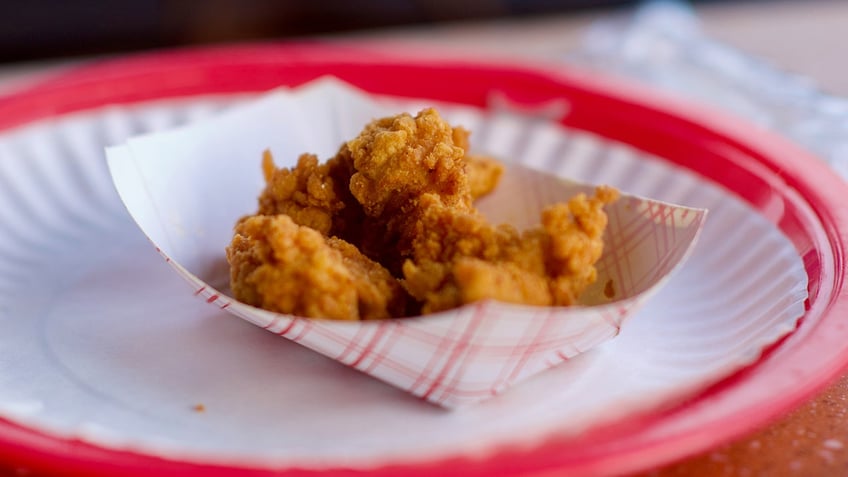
{"x":759,"y":167}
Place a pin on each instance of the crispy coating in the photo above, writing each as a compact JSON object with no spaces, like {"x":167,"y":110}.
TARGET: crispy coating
{"x":484,"y":173}
{"x":312,"y":194}
{"x":380,"y":294}
{"x":407,"y":155}
{"x":305,"y":193}
{"x":399,"y":158}
{"x":574,"y":232}
{"x":458,"y":257}
{"x":280,"y":266}
{"x":444,"y":285}
{"x":387,"y":228}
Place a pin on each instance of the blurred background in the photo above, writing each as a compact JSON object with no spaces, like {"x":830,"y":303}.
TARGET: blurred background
{"x":43,"y":29}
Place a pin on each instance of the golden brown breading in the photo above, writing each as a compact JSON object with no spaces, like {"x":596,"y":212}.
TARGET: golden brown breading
{"x":478,"y":279}
{"x":380,"y":294}
{"x":399,"y":158}
{"x":312,"y":194}
{"x":305,"y":193}
{"x":484,"y":173}
{"x":280,"y":266}
{"x":460,"y":136}
{"x":574,"y":231}
{"x":401,"y":194}
{"x":443,"y":233}
{"x":420,"y":156}
{"x":445,"y":285}
{"x":458,"y":257}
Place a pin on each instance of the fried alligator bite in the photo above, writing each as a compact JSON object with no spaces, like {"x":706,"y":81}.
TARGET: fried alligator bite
{"x":387,"y":228}
{"x":459,"y":258}
{"x":280,"y":266}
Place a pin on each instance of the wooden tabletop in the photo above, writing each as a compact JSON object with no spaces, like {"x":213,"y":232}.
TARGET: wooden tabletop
{"x":802,"y":37}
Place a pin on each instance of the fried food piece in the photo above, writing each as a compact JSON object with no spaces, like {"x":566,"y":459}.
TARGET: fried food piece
{"x":399,"y":158}
{"x":312,"y":194}
{"x":484,"y":173}
{"x":283,"y":267}
{"x":459,"y":258}
{"x":460,"y":136}
{"x":397,"y":201}
{"x":306,"y":193}
{"x":380,"y":294}
{"x":574,"y":232}
{"x":444,"y":285}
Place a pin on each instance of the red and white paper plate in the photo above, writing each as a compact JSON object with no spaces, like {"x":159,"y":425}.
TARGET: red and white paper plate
{"x":108,"y":366}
